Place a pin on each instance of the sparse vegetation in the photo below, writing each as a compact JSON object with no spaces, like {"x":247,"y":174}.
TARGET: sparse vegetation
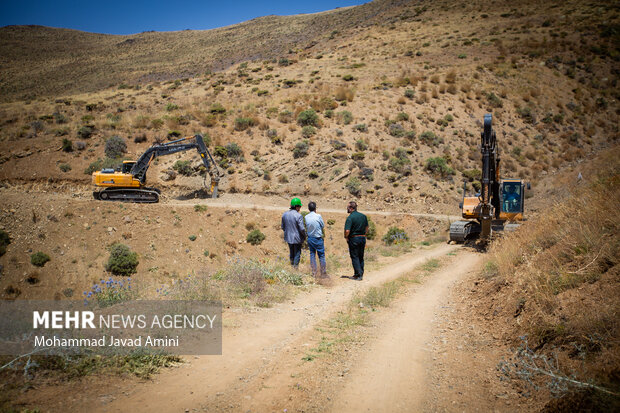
{"x":308,"y":118}
{"x":354,"y":186}
{"x":183,"y":167}
{"x":255,"y":237}
{"x":122,"y":260}
{"x":39,"y":259}
{"x":395,"y":235}
{"x":439,"y":167}
{"x":115,"y":147}
{"x":5,"y":240}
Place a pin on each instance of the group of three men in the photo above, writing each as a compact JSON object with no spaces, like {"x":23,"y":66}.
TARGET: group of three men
{"x":295,"y":232}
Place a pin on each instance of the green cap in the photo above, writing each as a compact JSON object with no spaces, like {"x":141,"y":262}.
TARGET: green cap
{"x":295,"y":202}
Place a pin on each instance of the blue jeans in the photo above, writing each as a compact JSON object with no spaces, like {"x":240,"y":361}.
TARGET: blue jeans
{"x":317,"y":246}
{"x":294,"y":254}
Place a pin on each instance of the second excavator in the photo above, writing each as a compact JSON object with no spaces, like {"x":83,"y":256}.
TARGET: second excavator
{"x":500,"y":203}
{"x":128,"y":183}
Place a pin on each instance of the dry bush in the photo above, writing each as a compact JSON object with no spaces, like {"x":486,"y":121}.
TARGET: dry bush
{"x":344,"y":93}
{"x":435,"y":93}
{"x":452,"y":89}
{"x":435,"y":79}
{"x":451,"y":76}
{"x":561,"y":270}
{"x":422,"y":98}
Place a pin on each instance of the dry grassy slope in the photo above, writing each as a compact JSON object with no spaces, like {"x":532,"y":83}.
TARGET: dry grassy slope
{"x":555,"y":283}
{"x":41,"y":61}
{"x":555,"y":101}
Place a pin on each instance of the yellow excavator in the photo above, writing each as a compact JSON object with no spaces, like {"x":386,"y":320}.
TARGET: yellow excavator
{"x":128,"y":183}
{"x":500,"y":204}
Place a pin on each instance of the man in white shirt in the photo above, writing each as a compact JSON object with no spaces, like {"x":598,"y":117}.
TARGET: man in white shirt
{"x":315,"y":230}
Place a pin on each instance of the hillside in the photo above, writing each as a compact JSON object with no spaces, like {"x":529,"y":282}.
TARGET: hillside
{"x":382,"y":103}
{"x":42,"y":61}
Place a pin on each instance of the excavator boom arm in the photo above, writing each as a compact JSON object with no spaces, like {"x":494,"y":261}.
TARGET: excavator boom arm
{"x":196,"y":142}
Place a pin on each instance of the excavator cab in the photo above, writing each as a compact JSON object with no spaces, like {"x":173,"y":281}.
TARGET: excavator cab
{"x":126,"y":167}
{"x":512,"y":195}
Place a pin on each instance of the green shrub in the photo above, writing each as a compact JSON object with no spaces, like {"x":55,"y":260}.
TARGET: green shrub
{"x":5,"y":240}
{"x":472,"y":174}
{"x":372,"y":230}
{"x":86,"y":131}
{"x":100,"y":164}
{"x":527,"y":114}
{"x":358,"y":156}
{"x":348,"y":78}
{"x":308,"y":118}
{"x":344,"y":117}
{"x":402,"y":116}
{"x":354,"y":185}
{"x":171,"y":106}
{"x":494,"y":101}
{"x":242,"y":124}
{"x":360,"y":145}
{"x":395,"y":235}
{"x":217,"y":108}
{"x":115,"y":147}
{"x":65,"y":167}
{"x":39,"y":259}
{"x":192,"y":237}
{"x":285,"y":116}
{"x":438,"y":166}
{"x":409,"y":93}
{"x":220,"y":152}
{"x":234,"y":151}
{"x":183,"y":167}
{"x":300,"y":150}
{"x":308,"y":131}
{"x":59,"y":118}
{"x":67,"y":145}
{"x":361,"y":127}
{"x":313,"y":175}
{"x":430,"y":139}
{"x":122,"y":260}
{"x":173,"y":134}
{"x":255,"y":237}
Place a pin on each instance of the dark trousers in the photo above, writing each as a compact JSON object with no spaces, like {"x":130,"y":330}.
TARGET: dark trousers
{"x":294,"y":254}
{"x":356,"y":251}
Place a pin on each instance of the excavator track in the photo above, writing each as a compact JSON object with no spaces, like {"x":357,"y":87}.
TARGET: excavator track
{"x":460,"y":230}
{"x":143,"y":195}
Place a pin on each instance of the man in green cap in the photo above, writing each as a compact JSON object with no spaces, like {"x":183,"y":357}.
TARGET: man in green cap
{"x":294,"y":231}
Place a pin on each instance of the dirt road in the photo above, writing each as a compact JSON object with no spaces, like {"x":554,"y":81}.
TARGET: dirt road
{"x":256,"y":344}
{"x":392,"y":374}
{"x":263,"y":350}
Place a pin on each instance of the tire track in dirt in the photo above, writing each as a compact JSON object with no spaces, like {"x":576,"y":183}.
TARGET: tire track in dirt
{"x":392,"y":374}
{"x":252,"y":342}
